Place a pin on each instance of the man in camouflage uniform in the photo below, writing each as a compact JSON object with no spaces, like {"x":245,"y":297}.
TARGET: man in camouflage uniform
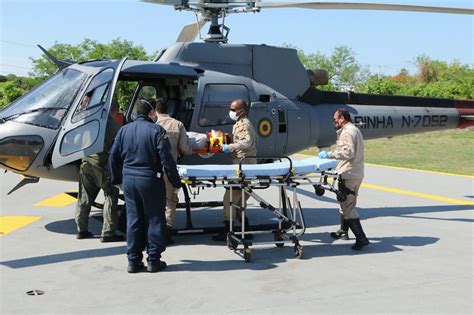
{"x":244,"y":145}
{"x":94,"y":176}
{"x":350,"y":153}
{"x":178,"y":139}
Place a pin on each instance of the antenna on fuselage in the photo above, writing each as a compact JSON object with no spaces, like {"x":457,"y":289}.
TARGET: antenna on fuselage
{"x":60,"y":63}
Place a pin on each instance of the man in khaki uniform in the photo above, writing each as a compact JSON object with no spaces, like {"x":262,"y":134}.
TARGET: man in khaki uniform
{"x":94,"y":176}
{"x":244,"y":145}
{"x":350,"y":153}
{"x":178,"y":139}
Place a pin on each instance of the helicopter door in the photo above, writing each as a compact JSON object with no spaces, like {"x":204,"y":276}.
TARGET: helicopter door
{"x":83,"y":132}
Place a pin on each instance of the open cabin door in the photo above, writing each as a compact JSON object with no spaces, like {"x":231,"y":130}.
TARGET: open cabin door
{"x":83,"y":132}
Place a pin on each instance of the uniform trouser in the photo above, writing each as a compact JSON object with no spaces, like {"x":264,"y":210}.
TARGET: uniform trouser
{"x":146,"y":223}
{"x":236,"y":200}
{"x":171,"y":202}
{"x":93,"y":178}
{"x":348,"y":207}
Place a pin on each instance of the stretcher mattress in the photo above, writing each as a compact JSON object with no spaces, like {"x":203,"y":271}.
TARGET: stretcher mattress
{"x":300,"y":167}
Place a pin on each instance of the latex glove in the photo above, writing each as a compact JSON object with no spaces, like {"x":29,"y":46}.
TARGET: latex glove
{"x":324,"y":155}
{"x":225,"y":148}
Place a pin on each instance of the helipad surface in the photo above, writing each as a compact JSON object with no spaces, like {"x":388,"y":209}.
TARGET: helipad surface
{"x":420,"y":260}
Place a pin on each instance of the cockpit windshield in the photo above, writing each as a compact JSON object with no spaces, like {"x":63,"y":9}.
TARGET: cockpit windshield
{"x":54,"y":96}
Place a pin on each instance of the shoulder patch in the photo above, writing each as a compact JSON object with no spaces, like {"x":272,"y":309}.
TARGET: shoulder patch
{"x":344,"y":139}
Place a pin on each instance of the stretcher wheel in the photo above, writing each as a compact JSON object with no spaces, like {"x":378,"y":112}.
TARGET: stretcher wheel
{"x":319,"y":191}
{"x":278,"y":237}
{"x":247,"y":254}
{"x":341,"y":197}
{"x":231,"y":243}
{"x":298,"y":251}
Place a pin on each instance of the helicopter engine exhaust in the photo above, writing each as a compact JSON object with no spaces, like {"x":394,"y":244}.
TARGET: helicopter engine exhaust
{"x":318,"y":76}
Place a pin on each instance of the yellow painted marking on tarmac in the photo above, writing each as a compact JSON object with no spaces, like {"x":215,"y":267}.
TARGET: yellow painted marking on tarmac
{"x":417,"y":170}
{"x":11,"y":223}
{"x":60,"y":200}
{"x":401,"y":168}
{"x":421,"y":195}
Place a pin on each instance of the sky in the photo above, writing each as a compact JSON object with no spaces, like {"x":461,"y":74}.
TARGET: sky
{"x":384,"y":41}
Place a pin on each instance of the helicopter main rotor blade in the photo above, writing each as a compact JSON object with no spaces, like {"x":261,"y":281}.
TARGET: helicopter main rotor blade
{"x":165,"y":2}
{"x":191,"y":31}
{"x":362,"y":6}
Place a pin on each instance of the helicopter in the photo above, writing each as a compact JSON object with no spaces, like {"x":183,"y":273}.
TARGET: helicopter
{"x":46,"y":132}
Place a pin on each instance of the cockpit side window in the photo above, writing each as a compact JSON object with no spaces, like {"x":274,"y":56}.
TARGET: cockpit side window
{"x":148,"y":91}
{"x":95,"y":96}
{"x":178,"y":93}
{"x":144,"y":91}
{"x":216,"y":101}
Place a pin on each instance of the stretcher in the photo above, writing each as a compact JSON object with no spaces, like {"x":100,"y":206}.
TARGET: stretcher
{"x":285,"y":173}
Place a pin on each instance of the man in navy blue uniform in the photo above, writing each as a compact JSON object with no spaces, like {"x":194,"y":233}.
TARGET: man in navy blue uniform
{"x":139,"y":155}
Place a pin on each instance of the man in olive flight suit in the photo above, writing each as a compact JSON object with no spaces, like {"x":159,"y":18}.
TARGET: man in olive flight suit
{"x":94,"y":176}
{"x":350,"y":153}
{"x":244,"y":145}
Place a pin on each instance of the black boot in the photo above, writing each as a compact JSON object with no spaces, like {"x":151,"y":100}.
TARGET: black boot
{"x":169,"y":235}
{"x":222,"y":237}
{"x":343,"y":232}
{"x":356,"y":228}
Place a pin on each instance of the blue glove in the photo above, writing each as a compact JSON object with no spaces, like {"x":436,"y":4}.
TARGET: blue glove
{"x":225,"y":148}
{"x":324,"y":155}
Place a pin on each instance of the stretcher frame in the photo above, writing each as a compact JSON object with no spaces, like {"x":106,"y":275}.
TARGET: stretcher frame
{"x":291,"y":224}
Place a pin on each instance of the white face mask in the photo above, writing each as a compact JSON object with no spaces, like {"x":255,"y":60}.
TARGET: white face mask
{"x":233,"y":115}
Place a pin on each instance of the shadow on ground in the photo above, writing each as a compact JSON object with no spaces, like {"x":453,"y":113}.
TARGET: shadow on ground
{"x":63,"y":257}
{"x":268,"y":257}
{"x":263,"y":258}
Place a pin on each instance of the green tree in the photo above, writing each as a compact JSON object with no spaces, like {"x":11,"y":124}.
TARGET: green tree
{"x":345,"y":73}
{"x":434,"y":78}
{"x":381,"y":85}
{"x":9,"y":92}
{"x":87,"y":50}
